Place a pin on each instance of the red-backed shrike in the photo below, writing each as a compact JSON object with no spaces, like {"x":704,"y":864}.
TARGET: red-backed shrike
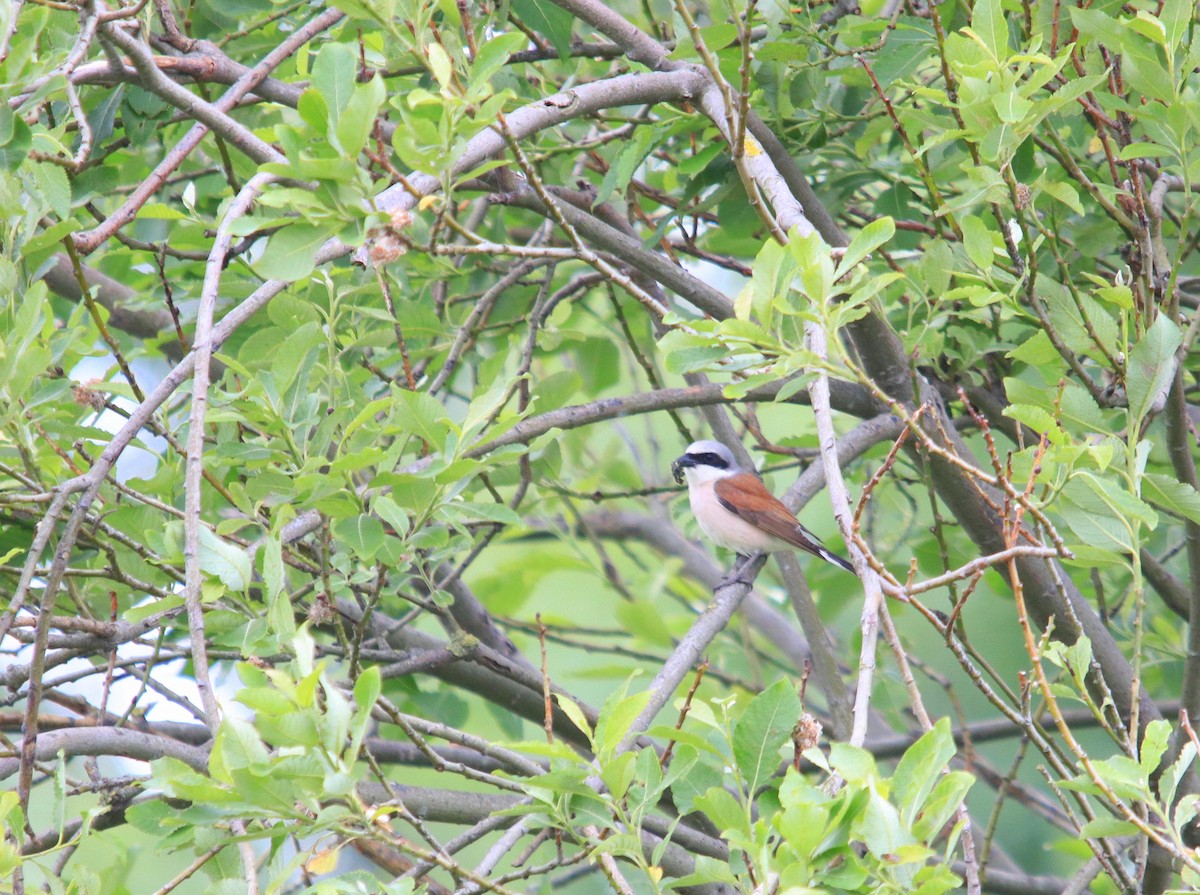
{"x":735,"y":510}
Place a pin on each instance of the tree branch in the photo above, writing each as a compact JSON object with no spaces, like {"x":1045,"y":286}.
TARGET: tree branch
{"x":117,"y":741}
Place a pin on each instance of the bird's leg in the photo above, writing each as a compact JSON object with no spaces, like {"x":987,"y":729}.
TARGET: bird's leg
{"x":738,"y":574}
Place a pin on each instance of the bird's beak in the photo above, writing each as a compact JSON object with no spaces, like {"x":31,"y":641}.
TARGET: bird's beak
{"x":678,"y":467}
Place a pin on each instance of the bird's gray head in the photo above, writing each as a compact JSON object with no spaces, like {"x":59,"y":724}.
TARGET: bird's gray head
{"x":709,"y":459}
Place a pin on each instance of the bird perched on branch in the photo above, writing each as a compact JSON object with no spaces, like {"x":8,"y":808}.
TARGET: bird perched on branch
{"x":734,"y":509}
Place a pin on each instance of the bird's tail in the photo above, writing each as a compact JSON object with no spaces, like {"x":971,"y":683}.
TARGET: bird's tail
{"x":834,"y":558}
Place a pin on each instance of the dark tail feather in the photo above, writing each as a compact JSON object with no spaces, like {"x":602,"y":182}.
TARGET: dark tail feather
{"x":835,"y":559}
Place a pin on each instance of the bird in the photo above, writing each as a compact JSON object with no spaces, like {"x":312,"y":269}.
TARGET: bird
{"x":734,"y":509}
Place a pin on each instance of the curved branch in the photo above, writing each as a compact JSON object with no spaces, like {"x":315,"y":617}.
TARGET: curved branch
{"x":209,"y":114}
{"x":658,"y":532}
{"x":759,"y":165}
{"x":497,"y":679}
{"x":115,"y":297}
{"x":118,"y":741}
{"x":630,"y":250}
{"x":1052,"y":598}
{"x":846,"y":397}
{"x":194,"y":463}
{"x":89,"y":240}
{"x":640,"y":88}
{"x":727,"y":597}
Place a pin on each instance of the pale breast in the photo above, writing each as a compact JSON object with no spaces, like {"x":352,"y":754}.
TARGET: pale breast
{"x":724,"y":528}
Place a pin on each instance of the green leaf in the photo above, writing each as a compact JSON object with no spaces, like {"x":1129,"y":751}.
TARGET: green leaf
{"x":920,"y":767}
{"x":266,"y":701}
{"x":1176,"y":17}
{"x":375,"y":11}
{"x":1152,"y":366}
{"x":1172,"y":495}
{"x":273,"y":566}
{"x":363,"y":534}
{"x":936,"y":267}
{"x":883,"y":831}
{"x":1039,"y":420}
{"x":618,"y":772}
{"x":8,"y":124}
{"x":1064,"y":193}
{"x":491,"y":512}
{"x":226,"y":561}
{"x":1035,"y":351}
{"x":1079,"y":412}
{"x":1169,"y":781}
{"x":865,"y":241}
{"x":1093,"y":519}
{"x":389,"y":511}
{"x":1011,"y":107}
{"x":366,"y":691}
{"x":1122,"y":774}
{"x":977,"y":240}
{"x":354,"y":127}
{"x":708,"y":870}
{"x":690,"y":738}
{"x":1095,"y":25}
{"x":805,"y":818}
{"x":1154,"y":745}
{"x":941,"y":804}
{"x":291,"y":253}
{"x":621,"y":171}
{"x":1107,"y":826}
{"x":333,"y":75}
{"x":725,"y":811}
{"x":815,"y":267}
{"x":314,"y":110}
{"x":908,"y":46}
{"x":762,"y":730}
{"x":988,"y":24}
{"x":148,"y":817}
{"x":771,"y":277}
{"x":409,"y":492}
{"x":493,"y":55}
{"x":616,"y":717}
{"x":237,"y":747}
{"x":854,"y":765}
{"x":1143,"y":71}
{"x":281,"y":615}
{"x":135,"y":614}
{"x":549,"y":19}
{"x":691,"y":358}
{"x":50,"y":183}
{"x":439,"y":61}
{"x":1145,"y":150}
{"x":416,"y":413}
{"x":572,"y":710}
{"x":102,"y":117}
{"x":699,"y":779}
{"x":1120,"y":501}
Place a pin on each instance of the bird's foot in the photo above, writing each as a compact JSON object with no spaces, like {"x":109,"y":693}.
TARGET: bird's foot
{"x":739,"y":573}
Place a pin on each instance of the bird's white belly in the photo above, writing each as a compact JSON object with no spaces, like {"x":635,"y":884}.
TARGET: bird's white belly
{"x":724,"y":528}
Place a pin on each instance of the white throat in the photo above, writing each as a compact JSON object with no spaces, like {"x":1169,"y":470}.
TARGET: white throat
{"x":703,"y":475}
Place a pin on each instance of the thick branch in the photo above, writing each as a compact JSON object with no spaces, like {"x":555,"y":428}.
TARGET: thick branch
{"x":658,"y":532}
{"x":109,"y":741}
{"x":630,"y":250}
{"x":187,"y":102}
{"x":90,"y":240}
{"x":1052,"y":597}
{"x":1179,"y":443}
{"x":640,"y":88}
